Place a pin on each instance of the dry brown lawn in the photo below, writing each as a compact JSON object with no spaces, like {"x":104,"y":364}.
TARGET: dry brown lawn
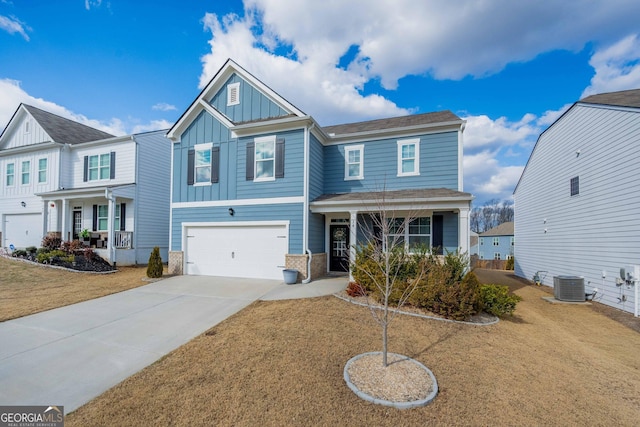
{"x":27,"y":288}
{"x":281,"y":364}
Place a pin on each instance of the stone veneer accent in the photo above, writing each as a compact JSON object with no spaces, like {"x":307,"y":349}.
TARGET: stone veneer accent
{"x":299,"y":262}
{"x":176,"y":259}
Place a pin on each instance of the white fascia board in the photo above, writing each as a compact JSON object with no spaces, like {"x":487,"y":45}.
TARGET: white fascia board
{"x":82,"y":192}
{"x":107,"y":141}
{"x":395,"y":132}
{"x":238,"y":202}
{"x":235,"y":224}
{"x":271,"y":126}
{"x":216,"y":114}
{"x":28,"y":148}
{"x":395,"y":205}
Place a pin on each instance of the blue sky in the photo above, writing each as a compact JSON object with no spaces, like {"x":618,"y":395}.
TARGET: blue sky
{"x":509,"y":68}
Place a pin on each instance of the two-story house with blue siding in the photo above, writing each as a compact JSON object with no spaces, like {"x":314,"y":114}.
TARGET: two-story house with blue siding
{"x":497,"y":243}
{"x":259,"y":186}
{"x":61,"y":177}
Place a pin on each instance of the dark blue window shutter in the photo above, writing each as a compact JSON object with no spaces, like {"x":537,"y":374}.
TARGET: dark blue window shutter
{"x":112,"y":172}
{"x":280,"y":158}
{"x":215,"y":164}
{"x":191,"y":164}
{"x":123,"y":215}
{"x":85,"y":175}
{"x":250,"y":159}
{"x":95,"y":217}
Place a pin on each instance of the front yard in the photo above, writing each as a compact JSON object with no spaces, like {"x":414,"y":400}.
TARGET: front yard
{"x":280,"y":363}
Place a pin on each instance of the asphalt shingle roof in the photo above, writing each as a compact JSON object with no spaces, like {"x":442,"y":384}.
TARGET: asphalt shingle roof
{"x":625,"y":98}
{"x":64,"y":130}
{"x":424,"y":193}
{"x":504,"y":229}
{"x":391,"y":123}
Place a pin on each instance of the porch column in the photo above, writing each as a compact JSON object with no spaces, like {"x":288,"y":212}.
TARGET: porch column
{"x":353,"y":238}
{"x":463,"y":230}
{"x":45,"y":217}
{"x":111,"y":248}
{"x":65,"y":221}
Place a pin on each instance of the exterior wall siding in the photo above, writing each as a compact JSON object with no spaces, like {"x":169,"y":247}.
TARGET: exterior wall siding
{"x":152,"y":204}
{"x":488,"y":250}
{"x":253,"y":104}
{"x":125,"y":164}
{"x":597,"y":230}
{"x":438,"y":165}
{"x":316,"y":233}
{"x":449,"y":231}
{"x":291,"y":212}
{"x":20,"y":138}
{"x":316,"y":168}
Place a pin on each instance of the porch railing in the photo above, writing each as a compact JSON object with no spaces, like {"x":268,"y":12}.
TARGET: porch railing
{"x":123,"y":239}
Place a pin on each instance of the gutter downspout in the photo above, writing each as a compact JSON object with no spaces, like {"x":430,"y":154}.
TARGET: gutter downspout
{"x":305,"y":216}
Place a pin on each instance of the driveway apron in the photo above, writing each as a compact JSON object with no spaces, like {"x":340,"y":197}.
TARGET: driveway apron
{"x":69,"y":355}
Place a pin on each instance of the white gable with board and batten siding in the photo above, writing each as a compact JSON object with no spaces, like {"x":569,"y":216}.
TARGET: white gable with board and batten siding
{"x":577,"y":205}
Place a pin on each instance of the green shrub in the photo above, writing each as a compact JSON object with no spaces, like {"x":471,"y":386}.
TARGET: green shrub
{"x":510,"y":264}
{"x":47,"y":256}
{"x":497,"y":300}
{"x":154,"y":268}
{"x":31,"y":249}
{"x":453,"y":299}
{"x":19,"y":253}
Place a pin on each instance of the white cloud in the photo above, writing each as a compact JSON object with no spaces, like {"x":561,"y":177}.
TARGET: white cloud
{"x":163,"y":106}
{"x":486,"y":178}
{"x":13,"y":25}
{"x":88,"y":4}
{"x":13,"y":95}
{"x":484,"y":133}
{"x":617,"y":67}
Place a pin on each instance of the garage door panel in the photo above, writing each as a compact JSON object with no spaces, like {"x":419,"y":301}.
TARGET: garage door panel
{"x":23,"y":230}
{"x":254,"y":251}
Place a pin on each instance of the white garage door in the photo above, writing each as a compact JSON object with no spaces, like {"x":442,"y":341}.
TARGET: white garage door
{"x":23,"y":230}
{"x":254,"y":250}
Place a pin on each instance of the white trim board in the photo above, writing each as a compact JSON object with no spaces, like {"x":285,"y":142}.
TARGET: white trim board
{"x":238,"y":202}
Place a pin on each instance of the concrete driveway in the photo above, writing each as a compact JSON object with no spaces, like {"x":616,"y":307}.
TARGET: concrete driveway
{"x":69,"y":355}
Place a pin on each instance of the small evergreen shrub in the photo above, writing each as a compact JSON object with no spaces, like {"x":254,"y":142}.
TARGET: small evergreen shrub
{"x":19,"y":253}
{"x":510,"y":264}
{"x":154,"y":268}
{"x":57,"y":254}
{"x":31,"y":250}
{"x":497,"y":300}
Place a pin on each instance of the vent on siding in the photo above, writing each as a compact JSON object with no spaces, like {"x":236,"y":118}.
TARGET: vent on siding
{"x":233,"y":94}
{"x":568,"y":288}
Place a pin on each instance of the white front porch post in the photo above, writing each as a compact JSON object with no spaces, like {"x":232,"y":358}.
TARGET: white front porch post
{"x":111,"y":248}
{"x":45,"y":218}
{"x":65,"y":221}
{"x":353,"y":235}
{"x":463,"y":230}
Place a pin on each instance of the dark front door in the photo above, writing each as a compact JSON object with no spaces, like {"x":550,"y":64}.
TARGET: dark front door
{"x":437,"y":240}
{"x":339,"y":241}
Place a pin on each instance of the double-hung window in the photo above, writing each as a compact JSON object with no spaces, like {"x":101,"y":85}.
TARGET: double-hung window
{"x":11,"y":174}
{"x":496,"y":256}
{"x":26,"y":168}
{"x":409,"y":157}
{"x":354,"y":162}
{"x":103,"y":217}
{"x":202,"y":164}
{"x":99,"y":167}
{"x":496,"y":241}
{"x":42,"y":171}
{"x":415,"y":234}
{"x":265,"y":158}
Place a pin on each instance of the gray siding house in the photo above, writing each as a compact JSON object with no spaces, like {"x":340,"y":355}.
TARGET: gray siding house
{"x":258,"y":185}
{"x":60,"y":177}
{"x":497,"y":243}
{"x":577,"y":204}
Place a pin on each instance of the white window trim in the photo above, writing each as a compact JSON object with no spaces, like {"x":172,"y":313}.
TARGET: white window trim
{"x":99,"y":167}
{"x":347,"y":150}
{"x":406,"y":142}
{"x":27,"y":172}
{"x":496,"y":241}
{"x":7,"y":175}
{"x":261,"y":140}
{"x":116,"y":215}
{"x":196,"y":148}
{"x":46,"y":166}
{"x":497,"y":256}
{"x":231,"y":89}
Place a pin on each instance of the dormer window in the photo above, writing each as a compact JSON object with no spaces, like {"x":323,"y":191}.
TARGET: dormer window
{"x":233,"y":94}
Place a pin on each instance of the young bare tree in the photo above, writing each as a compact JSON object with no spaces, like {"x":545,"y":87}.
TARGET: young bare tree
{"x":386,"y":266}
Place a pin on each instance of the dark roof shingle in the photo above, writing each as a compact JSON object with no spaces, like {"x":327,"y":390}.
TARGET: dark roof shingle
{"x":625,"y":98}
{"x":423,"y":193}
{"x":391,"y":123}
{"x":63,"y":130}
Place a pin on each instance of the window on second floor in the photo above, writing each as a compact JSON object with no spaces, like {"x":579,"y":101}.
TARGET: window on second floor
{"x":202,"y":164}
{"x":513,"y":240}
{"x":409,"y":157}
{"x":26,"y":169}
{"x":42,"y":171}
{"x":496,"y":241}
{"x":354,"y":162}
{"x":11,"y":174}
{"x":482,"y":241}
{"x":265,"y":159}
{"x":99,"y":167}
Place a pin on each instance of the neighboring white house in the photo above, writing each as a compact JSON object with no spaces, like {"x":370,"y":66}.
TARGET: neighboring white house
{"x":62,"y":177}
{"x":577,"y":204}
